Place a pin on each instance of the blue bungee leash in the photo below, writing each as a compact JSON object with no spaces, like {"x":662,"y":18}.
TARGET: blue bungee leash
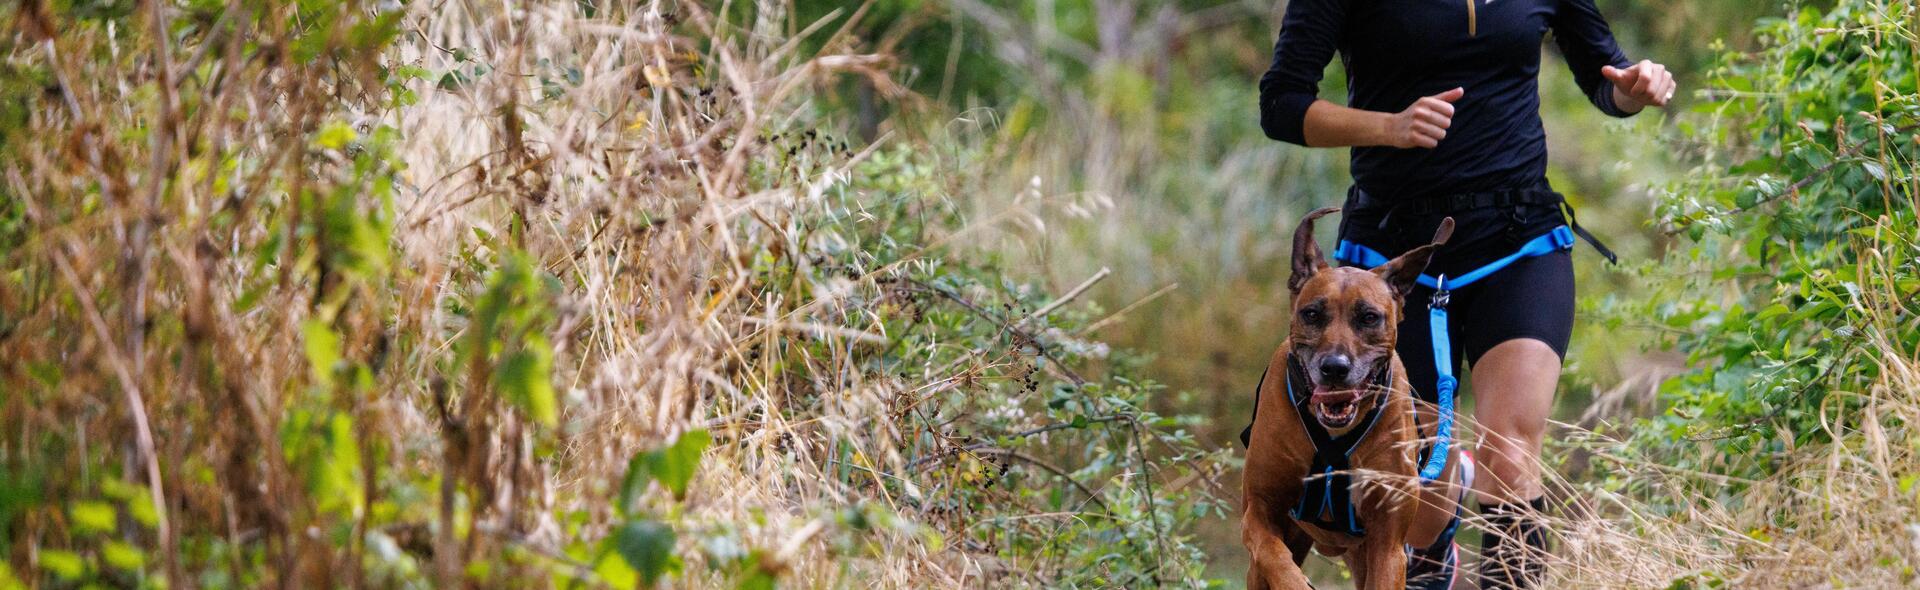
{"x":1561,"y":238}
{"x":1443,"y":366}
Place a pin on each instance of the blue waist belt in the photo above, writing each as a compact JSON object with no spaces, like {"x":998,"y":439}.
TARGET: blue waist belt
{"x":1561,"y":238}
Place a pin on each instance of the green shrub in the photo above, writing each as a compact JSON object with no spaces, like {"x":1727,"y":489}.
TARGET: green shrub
{"x":1801,"y":246}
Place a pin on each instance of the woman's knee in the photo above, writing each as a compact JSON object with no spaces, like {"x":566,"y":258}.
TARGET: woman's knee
{"x":1513,"y":385}
{"x":1515,"y":435}
{"x":1524,"y":355}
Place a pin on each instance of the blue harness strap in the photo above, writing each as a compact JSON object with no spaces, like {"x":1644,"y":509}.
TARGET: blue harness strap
{"x":1561,"y":238}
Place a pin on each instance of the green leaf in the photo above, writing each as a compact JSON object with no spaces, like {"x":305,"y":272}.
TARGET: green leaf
{"x":8,"y":581}
{"x":65,"y":564}
{"x":1771,"y":311}
{"x":757,"y":580}
{"x":47,"y":374}
{"x":526,"y":377}
{"x":334,"y":135}
{"x":635,"y":483}
{"x":250,"y":297}
{"x":757,"y":577}
{"x":93,"y":517}
{"x":123,"y":556}
{"x":137,"y":498}
{"x":678,"y":462}
{"x":142,"y":510}
{"x":343,"y":460}
{"x":673,"y":465}
{"x":1874,"y":169}
{"x":647,"y":547}
{"x":323,"y":350}
{"x":615,"y":573}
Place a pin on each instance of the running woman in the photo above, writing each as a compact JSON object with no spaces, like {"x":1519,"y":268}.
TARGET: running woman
{"x":1443,"y":118}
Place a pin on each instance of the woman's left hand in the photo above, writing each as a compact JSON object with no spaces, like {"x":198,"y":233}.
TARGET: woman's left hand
{"x":1642,"y":84}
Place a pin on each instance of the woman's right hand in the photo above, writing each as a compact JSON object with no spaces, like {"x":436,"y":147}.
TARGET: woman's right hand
{"x":1425,"y":123}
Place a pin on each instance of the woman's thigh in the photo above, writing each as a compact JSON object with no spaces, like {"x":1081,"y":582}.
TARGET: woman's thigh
{"x":1515,"y":330}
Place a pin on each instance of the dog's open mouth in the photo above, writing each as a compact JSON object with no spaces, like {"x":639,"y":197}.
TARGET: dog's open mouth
{"x":1336,"y":409}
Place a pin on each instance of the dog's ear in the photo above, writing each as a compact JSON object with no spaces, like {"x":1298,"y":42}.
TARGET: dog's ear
{"x":1306,"y":253}
{"x":1404,"y":272}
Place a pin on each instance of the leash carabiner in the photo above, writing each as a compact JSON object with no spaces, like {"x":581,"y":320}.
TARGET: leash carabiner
{"x":1441,"y":294}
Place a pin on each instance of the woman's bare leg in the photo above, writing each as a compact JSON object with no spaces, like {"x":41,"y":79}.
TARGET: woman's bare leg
{"x":1513,"y":386}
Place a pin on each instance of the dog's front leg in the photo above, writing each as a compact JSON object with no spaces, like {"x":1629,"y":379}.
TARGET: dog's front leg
{"x":1386,"y":564}
{"x":1275,"y":567}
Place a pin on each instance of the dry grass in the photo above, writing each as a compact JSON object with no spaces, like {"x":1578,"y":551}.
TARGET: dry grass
{"x":1845,"y":515}
{"x":1839,"y":515}
{"x":635,"y":186}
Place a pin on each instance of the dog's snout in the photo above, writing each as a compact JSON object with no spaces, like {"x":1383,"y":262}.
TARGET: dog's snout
{"x":1334,"y":368}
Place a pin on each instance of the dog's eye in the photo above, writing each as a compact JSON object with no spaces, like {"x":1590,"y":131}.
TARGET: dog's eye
{"x":1367,"y":319}
{"x":1311,"y":316}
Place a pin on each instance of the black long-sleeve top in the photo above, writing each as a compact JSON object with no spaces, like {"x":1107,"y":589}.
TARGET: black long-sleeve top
{"x":1397,"y":51}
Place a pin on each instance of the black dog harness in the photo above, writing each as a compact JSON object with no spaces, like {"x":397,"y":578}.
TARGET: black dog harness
{"x":1326,"y":498}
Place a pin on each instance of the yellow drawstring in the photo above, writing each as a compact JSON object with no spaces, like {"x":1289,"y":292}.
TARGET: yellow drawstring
{"x":1473,"y":21}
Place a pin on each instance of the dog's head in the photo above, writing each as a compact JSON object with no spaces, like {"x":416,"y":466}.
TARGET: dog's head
{"x":1345,"y":323}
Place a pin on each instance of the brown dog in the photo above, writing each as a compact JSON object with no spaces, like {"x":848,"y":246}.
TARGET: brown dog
{"x":1339,"y":362}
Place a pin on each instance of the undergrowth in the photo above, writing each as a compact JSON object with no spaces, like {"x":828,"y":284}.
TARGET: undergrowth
{"x":1786,"y":457}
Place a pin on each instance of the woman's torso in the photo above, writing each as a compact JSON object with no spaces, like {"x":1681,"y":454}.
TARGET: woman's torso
{"x":1397,"y":51}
